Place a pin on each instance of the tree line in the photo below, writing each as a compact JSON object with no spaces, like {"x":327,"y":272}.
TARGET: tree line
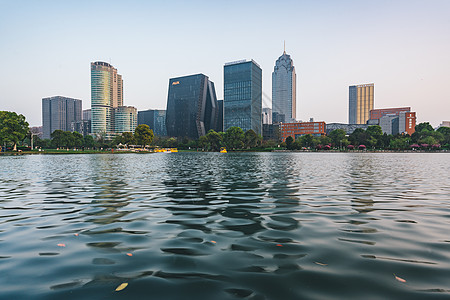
{"x":14,"y":130}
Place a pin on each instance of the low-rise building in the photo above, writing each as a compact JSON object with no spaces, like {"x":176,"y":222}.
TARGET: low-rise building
{"x":445,"y":124}
{"x":348,"y":128}
{"x":403,"y":123}
{"x":298,"y":129}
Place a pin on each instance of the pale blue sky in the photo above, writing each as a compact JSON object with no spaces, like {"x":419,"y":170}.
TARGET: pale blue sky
{"x":402,"y":46}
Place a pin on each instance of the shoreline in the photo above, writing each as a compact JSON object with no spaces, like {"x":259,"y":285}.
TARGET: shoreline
{"x":59,"y":152}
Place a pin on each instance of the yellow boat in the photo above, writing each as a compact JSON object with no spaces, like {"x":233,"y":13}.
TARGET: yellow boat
{"x":223,"y":150}
{"x":173,"y":150}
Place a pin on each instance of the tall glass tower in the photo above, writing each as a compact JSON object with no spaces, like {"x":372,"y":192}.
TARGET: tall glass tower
{"x":360,"y":103}
{"x":106,"y":94}
{"x":284,"y":81}
{"x":192,"y":108}
{"x":59,"y":112}
{"x":242,"y":92}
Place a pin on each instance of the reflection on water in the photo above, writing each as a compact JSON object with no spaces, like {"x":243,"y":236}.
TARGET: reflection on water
{"x":225,"y":226}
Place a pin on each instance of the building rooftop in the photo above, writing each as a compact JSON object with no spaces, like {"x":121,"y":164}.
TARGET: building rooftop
{"x":241,"y":62}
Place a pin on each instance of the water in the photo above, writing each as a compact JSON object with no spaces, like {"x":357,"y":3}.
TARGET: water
{"x":225,"y":226}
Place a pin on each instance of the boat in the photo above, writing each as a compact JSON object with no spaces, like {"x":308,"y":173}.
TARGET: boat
{"x":223,"y":150}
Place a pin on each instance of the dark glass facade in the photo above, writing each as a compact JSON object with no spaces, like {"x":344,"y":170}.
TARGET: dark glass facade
{"x":155,"y":119}
{"x":220,"y":116}
{"x":83,"y":127}
{"x":243,"y":96}
{"x":271,"y":132}
{"x":58,"y":113}
{"x":192,"y":108}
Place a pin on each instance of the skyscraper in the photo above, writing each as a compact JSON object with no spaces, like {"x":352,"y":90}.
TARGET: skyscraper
{"x":125,"y":119}
{"x":284,"y":81}
{"x":360,"y":103}
{"x":155,"y":119}
{"x":243,"y":95}
{"x":106,"y":94}
{"x":58,"y":113}
{"x":192,"y":107}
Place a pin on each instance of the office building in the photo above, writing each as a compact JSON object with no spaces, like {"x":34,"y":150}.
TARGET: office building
{"x":83,"y":127}
{"x":402,"y":123}
{"x":59,"y":112}
{"x":284,"y":84}
{"x":192,"y":108}
{"x":298,"y":129}
{"x":106,"y":94}
{"x":243,"y":95}
{"x":444,"y":124}
{"x":125,"y":119}
{"x":155,"y":119}
{"x":271,"y":132}
{"x":266,"y":115}
{"x":278,"y":118}
{"x":220,"y":116}
{"x":87,"y":114}
{"x":378,"y":113}
{"x":361,"y":101}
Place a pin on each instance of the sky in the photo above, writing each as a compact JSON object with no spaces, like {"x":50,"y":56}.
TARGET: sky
{"x":403,"y":47}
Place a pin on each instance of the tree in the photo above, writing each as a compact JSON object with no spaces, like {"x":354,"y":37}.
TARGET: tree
{"x":423,"y":126}
{"x":325,"y":140}
{"x":359,"y":137}
{"x":399,"y":143}
{"x":171,"y":142}
{"x":289,"y":142}
{"x":307,"y":140}
{"x":88,"y":141}
{"x":251,"y":139}
{"x":128,"y":138}
{"x":143,"y":135}
{"x":13,"y":128}
{"x":59,"y":138}
{"x":203,"y":142}
{"x":337,"y":136}
{"x":78,"y":139}
{"x":234,"y":138}
{"x":214,"y":140}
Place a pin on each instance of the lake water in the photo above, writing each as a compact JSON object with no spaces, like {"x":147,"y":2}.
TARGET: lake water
{"x":225,"y":226}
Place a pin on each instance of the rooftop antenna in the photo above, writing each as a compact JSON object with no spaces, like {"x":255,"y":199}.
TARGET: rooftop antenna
{"x":284,"y":51}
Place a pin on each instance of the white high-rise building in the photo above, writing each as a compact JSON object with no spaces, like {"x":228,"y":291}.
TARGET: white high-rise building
{"x":284,"y":81}
{"x":267,"y":115}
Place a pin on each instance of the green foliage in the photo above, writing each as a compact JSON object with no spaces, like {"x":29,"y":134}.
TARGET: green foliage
{"x":400,"y":143}
{"x":13,"y":128}
{"x":289,"y":141}
{"x":359,"y":137}
{"x":126,"y":138}
{"x":214,"y":141}
{"x":143,"y":135}
{"x":307,"y":141}
{"x":374,"y":131}
{"x":423,"y":126}
{"x":89,"y":141}
{"x":234,"y":138}
{"x":66,"y":139}
{"x":337,"y":136}
{"x":251,"y":139}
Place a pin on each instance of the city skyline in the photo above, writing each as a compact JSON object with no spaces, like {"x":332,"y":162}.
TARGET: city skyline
{"x":399,"y":46}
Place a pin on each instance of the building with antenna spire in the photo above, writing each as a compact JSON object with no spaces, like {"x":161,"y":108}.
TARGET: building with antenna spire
{"x":284,"y":82}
